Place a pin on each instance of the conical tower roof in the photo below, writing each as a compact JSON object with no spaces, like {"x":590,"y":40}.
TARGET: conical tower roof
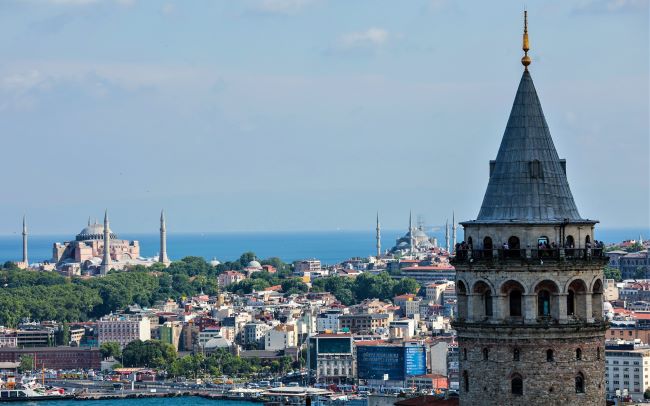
{"x":528,"y":180}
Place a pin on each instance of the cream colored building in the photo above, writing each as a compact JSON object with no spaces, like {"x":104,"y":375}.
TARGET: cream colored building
{"x":281,"y":337}
{"x":123,"y":329}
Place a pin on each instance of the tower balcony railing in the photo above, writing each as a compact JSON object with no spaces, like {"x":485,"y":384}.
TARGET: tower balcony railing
{"x":529,"y":254}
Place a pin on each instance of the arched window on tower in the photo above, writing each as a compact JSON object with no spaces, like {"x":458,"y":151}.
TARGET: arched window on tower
{"x":469,"y":242}
{"x":513,"y":247}
{"x":516,"y":354}
{"x":547,"y":299}
{"x":487,"y":243}
{"x":571,"y":303}
{"x":598,"y":353}
{"x":580,"y":383}
{"x":569,"y":242}
{"x":549,"y":355}
{"x":578,"y":354}
{"x":544,"y":303}
{"x":486,"y":354}
{"x":465,"y":381}
{"x":482,"y":305}
{"x":464,"y":354}
{"x":517,"y":385}
{"x":513,"y":291}
{"x":461,"y":301}
{"x":597,"y":300}
{"x":487,"y":297}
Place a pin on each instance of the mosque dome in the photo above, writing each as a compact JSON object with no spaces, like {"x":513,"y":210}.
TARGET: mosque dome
{"x":214,"y":262}
{"x":254,"y":264}
{"x":92,"y":232}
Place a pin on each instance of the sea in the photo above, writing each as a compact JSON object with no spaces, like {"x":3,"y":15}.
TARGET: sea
{"x":330,"y":247}
{"x":192,"y":400}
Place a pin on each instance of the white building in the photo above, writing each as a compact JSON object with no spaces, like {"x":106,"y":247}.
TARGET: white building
{"x":409,"y":304}
{"x":435,"y":291}
{"x":208,"y":334}
{"x":254,"y":333}
{"x":404,"y":328}
{"x":329,"y":321}
{"x":123,"y":329}
{"x":306,"y":266}
{"x":281,"y":337}
{"x":8,"y":340}
{"x":229,"y":277}
{"x":627,"y":367}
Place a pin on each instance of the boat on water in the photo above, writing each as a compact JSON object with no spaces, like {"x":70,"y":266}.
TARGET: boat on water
{"x":29,"y":390}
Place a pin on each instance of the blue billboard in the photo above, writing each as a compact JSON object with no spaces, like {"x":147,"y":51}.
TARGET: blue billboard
{"x":415,"y":361}
{"x":374,"y":362}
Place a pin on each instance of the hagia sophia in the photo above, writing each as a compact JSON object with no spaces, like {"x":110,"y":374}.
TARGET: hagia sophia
{"x":97,"y":250}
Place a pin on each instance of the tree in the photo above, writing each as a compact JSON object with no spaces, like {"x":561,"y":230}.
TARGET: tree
{"x":110,"y":349}
{"x":246,"y":257}
{"x":293,"y":286}
{"x":10,"y":265}
{"x":26,"y":363}
{"x":406,"y":285}
{"x":63,"y":335}
{"x":150,"y":353}
{"x":646,"y":394}
{"x":613,"y":273}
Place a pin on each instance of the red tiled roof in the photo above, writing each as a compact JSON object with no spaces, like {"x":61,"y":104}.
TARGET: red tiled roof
{"x":428,"y":268}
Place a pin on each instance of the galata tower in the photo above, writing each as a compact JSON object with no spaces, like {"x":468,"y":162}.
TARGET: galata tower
{"x":530,"y":277}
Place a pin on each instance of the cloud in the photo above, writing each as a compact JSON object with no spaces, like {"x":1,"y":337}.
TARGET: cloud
{"x":611,"y":6}
{"x":372,"y":37}
{"x":168,"y":8}
{"x":126,"y":3}
{"x":283,"y":7}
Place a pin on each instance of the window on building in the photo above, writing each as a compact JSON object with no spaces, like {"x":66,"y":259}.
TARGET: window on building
{"x":578,"y":354}
{"x":486,"y":354}
{"x":580,"y":383}
{"x":516,"y":354}
{"x":465,"y":354}
{"x":549,"y":356}
{"x":598,"y":353}
{"x":517,"y":385}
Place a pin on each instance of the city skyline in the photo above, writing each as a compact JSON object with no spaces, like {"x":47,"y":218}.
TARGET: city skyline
{"x":287,"y":132}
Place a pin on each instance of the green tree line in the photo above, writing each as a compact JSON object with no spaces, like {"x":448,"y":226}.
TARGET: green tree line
{"x":350,"y":291}
{"x":50,"y":296}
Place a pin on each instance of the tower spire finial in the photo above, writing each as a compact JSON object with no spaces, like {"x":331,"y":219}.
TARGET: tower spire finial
{"x":526,"y":45}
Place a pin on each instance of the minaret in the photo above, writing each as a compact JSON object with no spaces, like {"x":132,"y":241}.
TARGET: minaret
{"x":378,"y":237}
{"x":106,"y":261}
{"x":411,"y":237}
{"x":25,"y":261}
{"x":163,"y":240}
{"x":447,"y":235}
{"x":453,"y":231}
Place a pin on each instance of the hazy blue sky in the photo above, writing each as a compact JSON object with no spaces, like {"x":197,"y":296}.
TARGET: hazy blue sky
{"x":308,"y":114}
